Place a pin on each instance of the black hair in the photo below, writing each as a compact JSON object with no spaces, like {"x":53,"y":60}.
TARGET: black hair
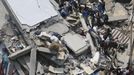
{"x":37,"y":32}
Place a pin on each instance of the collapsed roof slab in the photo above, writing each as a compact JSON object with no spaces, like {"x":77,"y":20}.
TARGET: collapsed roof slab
{"x":31,"y":12}
{"x":3,"y":13}
{"x":119,"y":13}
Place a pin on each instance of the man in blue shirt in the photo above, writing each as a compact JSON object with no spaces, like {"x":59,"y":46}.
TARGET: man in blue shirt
{"x":101,"y":6}
{"x":85,"y":14}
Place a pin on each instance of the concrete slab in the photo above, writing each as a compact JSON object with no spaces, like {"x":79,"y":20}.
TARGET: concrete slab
{"x":40,"y":70}
{"x":18,"y":68}
{"x":118,"y":13}
{"x":27,"y":60}
{"x":23,"y":63}
{"x":33,"y":59}
{"x":3,"y":12}
{"x":75,"y":42}
{"x":56,"y":70}
{"x":20,"y":53}
{"x":58,"y":27}
{"x":45,"y":50}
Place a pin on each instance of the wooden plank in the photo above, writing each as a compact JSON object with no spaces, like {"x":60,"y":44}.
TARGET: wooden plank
{"x":33,"y":61}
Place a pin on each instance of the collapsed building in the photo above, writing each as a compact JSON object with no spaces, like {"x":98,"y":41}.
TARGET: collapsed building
{"x":41,"y":42}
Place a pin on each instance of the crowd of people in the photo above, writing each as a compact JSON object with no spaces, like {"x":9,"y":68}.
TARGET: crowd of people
{"x":94,"y":13}
{"x":94,"y":16}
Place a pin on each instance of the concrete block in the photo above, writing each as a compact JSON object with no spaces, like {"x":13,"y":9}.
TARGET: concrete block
{"x":56,"y":70}
{"x":119,"y":13}
{"x":33,"y":61}
{"x":45,"y":50}
{"x":40,"y":69}
{"x":20,"y":53}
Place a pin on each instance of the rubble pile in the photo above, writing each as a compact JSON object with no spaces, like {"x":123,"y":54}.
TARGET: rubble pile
{"x":84,"y":39}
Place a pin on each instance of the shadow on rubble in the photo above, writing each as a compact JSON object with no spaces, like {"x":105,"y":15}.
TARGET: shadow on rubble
{"x":123,"y":1}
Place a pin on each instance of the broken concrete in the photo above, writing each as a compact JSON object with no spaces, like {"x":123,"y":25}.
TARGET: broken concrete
{"x":45,"y":61}
{"x":20,"y":53}
{"x":18,"y":68}
{"x":119,"y":13}
{"x":45,"y":50}
{"x":33,"y":59}
{"x":56,"y":70}
{"x":40,"y":69}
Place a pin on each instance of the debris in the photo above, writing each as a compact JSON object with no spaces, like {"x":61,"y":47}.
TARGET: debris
{"x":119,"y":13}
{"x":87,"y":69}
{"x":96,"y":58}
{"x":77,"y":44}
{"x":45,"y":50}
{"x":22,"y":62}
{"x":33,"y":59}
{"x":56,"y":70}
{"x":18,"y":68}
{"x":77,"y":37}
{"x":40,"y":69}
{"x":20,"y":53}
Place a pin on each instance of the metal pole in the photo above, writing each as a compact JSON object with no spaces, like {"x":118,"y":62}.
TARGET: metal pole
{"x":131,"y":41}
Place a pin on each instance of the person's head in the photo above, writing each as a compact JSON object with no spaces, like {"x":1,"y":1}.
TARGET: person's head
{"x":85,"y":5}
{"x":37,"y":32}
{"x":5,"y":50}
{"x":97,"y":13}
{"x":108,"y":30}
{"x":102,"y":0}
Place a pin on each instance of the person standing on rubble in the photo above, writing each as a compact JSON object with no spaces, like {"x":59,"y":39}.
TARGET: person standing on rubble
{"x":85,"y":14}
{"x":74,"y":6}
{"x":101,"y":6}
{"x":5,"y":60}
{"x":107,"y":34}
{"x":68,"y":6}
{"x":63,"y":10}
{"x":97,"y":19}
